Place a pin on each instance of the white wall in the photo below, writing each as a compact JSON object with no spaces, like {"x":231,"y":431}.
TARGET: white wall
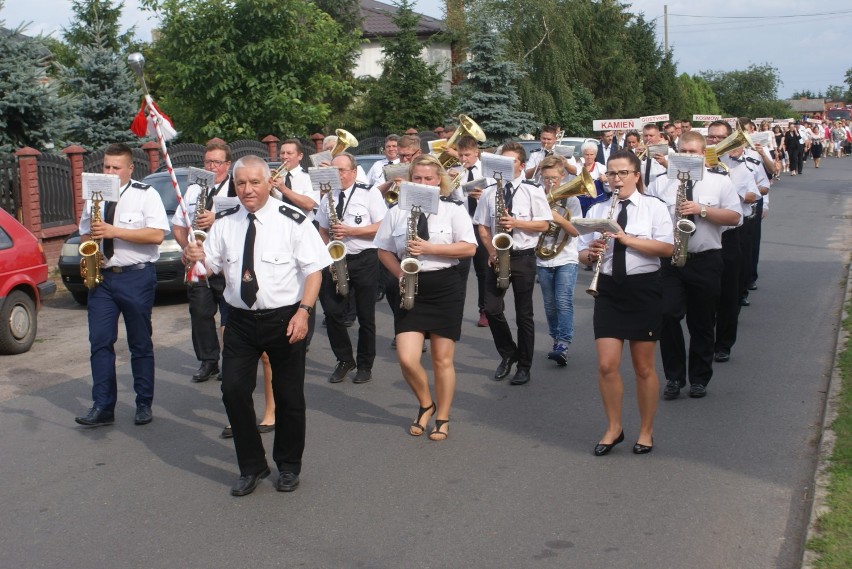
{"x":369,"y":60}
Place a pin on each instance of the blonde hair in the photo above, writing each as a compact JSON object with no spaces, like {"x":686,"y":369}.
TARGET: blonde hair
{"x":429,"y":160}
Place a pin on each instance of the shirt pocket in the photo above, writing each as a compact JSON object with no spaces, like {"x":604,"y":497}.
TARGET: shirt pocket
{"x":276,"y":262}
{"x":440,"y":232}
{"x":357,"y":214}
{"x":132,"y":219}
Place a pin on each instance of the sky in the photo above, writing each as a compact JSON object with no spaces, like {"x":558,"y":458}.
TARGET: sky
{"x":808,"y":42}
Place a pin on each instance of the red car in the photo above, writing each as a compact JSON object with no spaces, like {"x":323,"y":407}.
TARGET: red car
{"x":23,"y":283}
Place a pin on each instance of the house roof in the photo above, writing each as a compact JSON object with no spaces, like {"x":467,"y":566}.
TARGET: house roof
{"x":377,"y":21}
{"x":807,"y":105}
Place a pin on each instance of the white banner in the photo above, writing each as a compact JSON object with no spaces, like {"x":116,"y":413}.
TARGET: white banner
{"x":653,"y":118}
{"x":616,"y":124}
{"x":706,"y":118}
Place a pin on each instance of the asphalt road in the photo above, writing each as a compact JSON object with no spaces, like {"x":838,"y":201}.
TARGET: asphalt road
{"x":516,"y":485}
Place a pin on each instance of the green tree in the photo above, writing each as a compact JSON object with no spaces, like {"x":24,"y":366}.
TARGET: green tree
{"x":248,"y":68}
{"x":96,"y":22}
{"x":848,"y":80}
{"x":408,"y":93}
{"x":746,"y":93}
{"x":347,"y":13}
{"x":806,"y":94}
{"x":698,"y":97}
{"x":835,"y":92}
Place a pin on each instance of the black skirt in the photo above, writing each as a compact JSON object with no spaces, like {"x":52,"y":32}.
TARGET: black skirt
{"x":630,"y":311}
{"x":438,"y":307}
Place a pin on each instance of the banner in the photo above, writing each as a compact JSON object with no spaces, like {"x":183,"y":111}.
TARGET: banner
{"x":653,"y":118}
{"x":616,"y":124}
{"x":706,"y":118}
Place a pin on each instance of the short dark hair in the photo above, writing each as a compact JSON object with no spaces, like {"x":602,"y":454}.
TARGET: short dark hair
{"x":634,"y":161}
{"x":632,"y":133}
{"x":551,"y":128}
{"x":651,"y":126}
{"x":392,"y":138}
{"x":725,"y":124}
{"x":119,"y":149}
{"x":515,"y":147}
{"x":295,"y":142}
{"x":467,"y":142}
{"x":219,"y":145}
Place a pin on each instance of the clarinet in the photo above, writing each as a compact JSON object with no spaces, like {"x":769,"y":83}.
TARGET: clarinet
{"x":593,"y":286}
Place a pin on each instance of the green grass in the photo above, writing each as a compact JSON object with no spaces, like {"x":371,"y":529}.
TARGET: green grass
{"x":834,"y":544}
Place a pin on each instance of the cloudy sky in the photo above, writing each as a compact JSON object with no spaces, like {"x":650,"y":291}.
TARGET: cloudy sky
{"x":806,"y":41}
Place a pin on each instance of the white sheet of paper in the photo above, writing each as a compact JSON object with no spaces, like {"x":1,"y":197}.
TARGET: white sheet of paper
{"x":426,"y":197}
{"x":591,"y":225}
{"x":661,"y":148}
{"x":320,"y":157}
{"x":765,"y":138}
{"x":692,"y":163}
{"x":437,"y":146}
{"x":566,"y":151}
{"x":221,"y":203}
{"x":473,"y":185}
{"x":497,"y":166}
{"x":200,"y":175}
{"x":107,"y":185}
{"x":324,"y":179}
{"x":393,"y":171}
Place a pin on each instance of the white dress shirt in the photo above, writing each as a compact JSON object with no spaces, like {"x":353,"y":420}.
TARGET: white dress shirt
{"x":657,"y":170}
{"x":361,"y":207}
{"x":743,"y":181}
{"x":190,"y":199}
{"x":528,"y":204}
{"x":376,"y":175}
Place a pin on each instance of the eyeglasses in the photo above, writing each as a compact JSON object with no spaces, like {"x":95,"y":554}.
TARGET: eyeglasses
{"x":551,"y":178}
{"x":345,"y":169}
{"x":409,"y":156}
{"x":715,"y":137}
{"x":620,"y":173}
{"x":216,"y":163}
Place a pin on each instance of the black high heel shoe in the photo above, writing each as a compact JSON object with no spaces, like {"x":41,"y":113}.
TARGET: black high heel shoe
{"x":416,"y":429}
{"x":602,"y":449}
{"x":643,"y":449}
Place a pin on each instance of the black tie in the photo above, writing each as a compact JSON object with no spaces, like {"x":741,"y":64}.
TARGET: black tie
{"x":647,"y":171}
{"x":209,"y":203}
{"x":338,"y":208}
{"x":619,"y":258}
{"x":471,"y":202}
{"x":507,"y":197}
{"x":109,"y":217}
{"x":288,"y":181}
{"x":249,"y":286}
{"x":423,"y":227}
{"x":689,"y":186}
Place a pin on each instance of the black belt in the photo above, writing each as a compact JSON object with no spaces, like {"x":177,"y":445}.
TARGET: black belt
{"x":263,"y":313}
{"x":356,"y":255}
{"x":522,"y":252}
{"x":702,"y":253}
{"x":127,"y":268}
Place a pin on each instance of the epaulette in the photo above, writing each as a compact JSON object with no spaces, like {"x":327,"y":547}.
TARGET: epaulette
{"x":717,"y":170}
{"x":531,"y":183}
{"x":451,"y":200}
{"x":362,"y":186}
{"x":226,"y":212}
{"x":536,"y":150}
{"x":752,"y":160}
{"x":393,"y":205}
{"x":139,"y":186}
{"x":293,"y":213}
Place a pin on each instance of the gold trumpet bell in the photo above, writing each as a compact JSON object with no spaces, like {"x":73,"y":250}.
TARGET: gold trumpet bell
{"x":467,"y":126}
{"x":582,"y":184}
{"x":735,"y":140}
{"x":344,"y":140}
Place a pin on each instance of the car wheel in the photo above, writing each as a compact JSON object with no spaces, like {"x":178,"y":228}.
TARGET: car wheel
{"x":18,"y":323}
{"x":81,"y":297}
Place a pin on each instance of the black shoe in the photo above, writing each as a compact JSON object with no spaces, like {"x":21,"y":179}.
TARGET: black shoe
{"x":752,"y":286}
{"x":602,"y":449}
{"x":744,"y":302}
{"x":246,"y":484}
{"x":505,"y":367}
{"x":261,"y":428}
{"x":672,"y":390}
{"x":207,"y":370}
{"x":339,"y":373}
{"x":143,"y":415}
{"x":96,"y":417}
{"x":643,"y":449}
{"x":287,"y":482}
{"x":522,"y":376}
{"x":722,"y":356}
{"x":696,"y":390}
{"x":362,"y":376}
{"x":227,"y":433}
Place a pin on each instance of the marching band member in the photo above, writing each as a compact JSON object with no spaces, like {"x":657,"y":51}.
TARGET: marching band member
{"x":205,"y":300}
{"x":359,"y":210}
{"x":132,"y":230}
{"x":408,"y":149}
{"x":693,"y":290}
{"x":328,"y":144}
{"x":548,"y":140}
{"x":652,"y":166}
{"x":441,"y":240}
{"x":628,"y":305}
{"x":295,"y":187}
{"x":527,"y":215}
{"x":271,"y":257}
{"x":376,"y":175}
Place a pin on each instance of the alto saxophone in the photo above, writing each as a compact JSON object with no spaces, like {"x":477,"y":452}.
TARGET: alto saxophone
{"x":684,"y":227}
{"x":200,"y":209}
{"x":409,"y":265}
{"x":502,"y":241}
{"x":90,"y":251}
{"x":337,"y":250}
{"x":593,"y":286}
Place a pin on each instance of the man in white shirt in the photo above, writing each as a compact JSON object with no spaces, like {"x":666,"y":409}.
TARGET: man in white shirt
{"x":376,"y":174}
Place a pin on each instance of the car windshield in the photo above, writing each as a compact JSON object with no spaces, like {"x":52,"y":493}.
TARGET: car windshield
{"x":163,"y":184}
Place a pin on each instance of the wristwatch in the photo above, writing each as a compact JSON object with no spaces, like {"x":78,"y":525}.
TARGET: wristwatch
{"x":306,"y":308}
{"x":703,"y":211}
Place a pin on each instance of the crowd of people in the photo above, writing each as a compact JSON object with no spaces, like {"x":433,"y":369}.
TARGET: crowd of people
{"x":274,"y":250}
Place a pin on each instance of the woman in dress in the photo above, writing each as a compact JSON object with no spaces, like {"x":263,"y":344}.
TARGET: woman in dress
{"x":817,"y":138}
{"x":442,"y":239}
{"x":628,"y":305}
{"x":794,"y":148}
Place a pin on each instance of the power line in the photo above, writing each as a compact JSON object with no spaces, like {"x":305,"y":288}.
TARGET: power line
{"x":761,"y":17}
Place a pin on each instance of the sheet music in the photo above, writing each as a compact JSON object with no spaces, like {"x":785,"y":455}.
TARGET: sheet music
{"x":325,"y":179}
{"x":393,"y":171}
{"x":661,"y":148}
{"x":474,"y":185}
{"x":427,"y":197}
{"x":566,"y":151}
{"x":592,"y":225}
{"x":764,"y":138}
{"x":496,"y":166}
{"x":692,"y":163}
{"x":201,"y":177}
{"x":320,"y":157}
{"x":107,"y":185}
{"x":222,"y":203}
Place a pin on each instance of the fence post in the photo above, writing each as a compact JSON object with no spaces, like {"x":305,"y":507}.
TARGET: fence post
{"x":272,"y":142}
{"x":152,"y":149}
{"x":30,"y":204}
{"x":317,"y":139}
{"x":75,"y":157}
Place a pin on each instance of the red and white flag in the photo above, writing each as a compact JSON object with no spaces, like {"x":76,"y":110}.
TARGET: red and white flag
{"x":143,"y":123}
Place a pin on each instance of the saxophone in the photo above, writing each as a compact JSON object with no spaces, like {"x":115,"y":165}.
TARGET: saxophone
{"x":200,"y":209}
{"x":593,"y":286}
{"x":409,"y":265}
{"x":90,"y":251}
{"x":502,"y":241}
{"x":337,"y":250}
{"x":684,"y":227}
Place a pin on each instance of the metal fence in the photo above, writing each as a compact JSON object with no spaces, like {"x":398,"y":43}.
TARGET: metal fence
{"x":94,"y":163}
{"x":186,"y":154}
{"x":10,"y":192}
{"x":240,"y":148}
{"x":56,"y":194}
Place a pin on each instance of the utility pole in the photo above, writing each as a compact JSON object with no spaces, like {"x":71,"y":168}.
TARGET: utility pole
{"x":666,"y":25}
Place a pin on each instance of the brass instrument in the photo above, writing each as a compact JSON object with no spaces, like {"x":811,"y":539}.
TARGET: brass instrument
{"x":551,"y":243}
{"x":392,"y":195}
{"x":337,"y":250}
{"x":733,"y":141}
{"x":467,"y":126}
{"x":409,"y":265}
{"x":344,"y":140}
{"x":282,"y":170}
{"x":593,"y":286}
{"x":502,"y":241}
{"x":90,"y":251}
{"x":683,"y":226}
{"x":200,"y":208}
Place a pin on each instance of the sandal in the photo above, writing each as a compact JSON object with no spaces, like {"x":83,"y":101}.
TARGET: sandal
{"x":438,"y":434}
{"x":416,"y":429}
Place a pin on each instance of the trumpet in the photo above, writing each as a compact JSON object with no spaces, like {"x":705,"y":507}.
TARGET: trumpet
{"x":282,"y":170}
{"x":593,"y":286}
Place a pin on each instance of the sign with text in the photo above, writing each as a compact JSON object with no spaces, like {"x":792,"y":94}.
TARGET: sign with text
{"x":653,"y":118}
{"x":706,"y":118}
{"x":733,"y":121}
{"x":616,"y":124}
{"x":105,"y":186}
{"x":763,"y":119}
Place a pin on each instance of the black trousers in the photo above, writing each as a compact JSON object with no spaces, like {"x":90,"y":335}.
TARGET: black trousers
{"x":363,"y":275}
{"x":728,"y":307}
{"x":795,"y":157}
{"x":691,"y":291}
{"x":248,"y":334}
{"x":523,"y":284}
{"x":203,"y":304}
{"x":748,"y":231}
{"x":755,"y":250}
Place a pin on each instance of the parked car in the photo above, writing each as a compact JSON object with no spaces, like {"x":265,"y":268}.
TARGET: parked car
{"x":366,"y":161}
{"x":23,"y":284}
{"x":170,"y":269}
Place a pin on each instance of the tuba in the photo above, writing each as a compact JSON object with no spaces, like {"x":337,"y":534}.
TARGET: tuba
{"x":90,"y":251}
{"x":502,"y":241}
{"x":684,"y":227}
{"x":466,"y":127}
{"x":552,"y":241}
{"x":593,"y":286}
{"x":344,"y":140}
{"x":409,"y":265}
{"x":337,"y":250}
